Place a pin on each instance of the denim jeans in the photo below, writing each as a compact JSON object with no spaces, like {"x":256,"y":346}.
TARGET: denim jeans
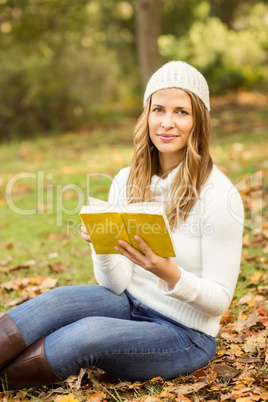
{"x":87,"y":325}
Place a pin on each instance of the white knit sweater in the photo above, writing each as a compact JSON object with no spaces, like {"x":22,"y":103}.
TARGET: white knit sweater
{"x":208,"y":252}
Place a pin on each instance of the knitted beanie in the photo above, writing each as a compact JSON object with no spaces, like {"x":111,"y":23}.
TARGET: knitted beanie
{"x":178,"y":74}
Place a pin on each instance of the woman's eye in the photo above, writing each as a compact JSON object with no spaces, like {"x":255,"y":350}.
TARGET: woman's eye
{"x":182,"y":112}
{"x":158,"y":110}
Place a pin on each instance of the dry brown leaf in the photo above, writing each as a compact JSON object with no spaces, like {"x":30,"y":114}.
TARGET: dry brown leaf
{"x":81,"y":374}
{"x":182,"y":398}
{"x":187,"y":388}
{"x":256,"y":278}
{"x":6,"y":261}
{"x":123,"y":385}
{"x":66,"y":398}
{"x":246,"y":299}
{"x":97,"y":397}
{"x":153,"y":398}
{"x":252,"y":344}
{"x":227,"y":317}
{"x":19,"y":300}
{"x":56,"y":267}
{"x":224,"y":371}
{"x":8,"y":245}
{"x":241,"y":324}
{"x":26,"y":264}
{"x":235,"y":393}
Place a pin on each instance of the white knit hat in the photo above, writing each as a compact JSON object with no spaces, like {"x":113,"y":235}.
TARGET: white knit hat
{"x":178,"y":74}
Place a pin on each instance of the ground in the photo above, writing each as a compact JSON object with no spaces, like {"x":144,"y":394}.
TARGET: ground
{"x":43,"y":183}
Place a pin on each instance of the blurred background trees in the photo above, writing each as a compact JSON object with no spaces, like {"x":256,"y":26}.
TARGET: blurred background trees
{"x":65,"y":64}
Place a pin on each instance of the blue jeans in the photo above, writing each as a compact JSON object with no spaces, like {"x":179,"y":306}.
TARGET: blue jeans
{"x":87,"y":325}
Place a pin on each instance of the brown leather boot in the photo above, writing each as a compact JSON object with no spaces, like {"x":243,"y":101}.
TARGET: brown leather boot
{"x":11,"y":341}
{"x":30,"y":369}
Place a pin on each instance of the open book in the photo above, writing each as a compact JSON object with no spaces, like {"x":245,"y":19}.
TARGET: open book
{"x":106,"y":224}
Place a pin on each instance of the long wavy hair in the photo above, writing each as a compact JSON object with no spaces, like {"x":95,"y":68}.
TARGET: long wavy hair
{"x":194,"y":170}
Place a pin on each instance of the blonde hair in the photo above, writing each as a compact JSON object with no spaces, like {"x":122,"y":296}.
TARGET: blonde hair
{"x":194,"y":171}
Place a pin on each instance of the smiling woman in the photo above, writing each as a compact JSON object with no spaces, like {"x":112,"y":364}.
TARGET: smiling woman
{"x":150,"y":315}
{"x":170,"y":122}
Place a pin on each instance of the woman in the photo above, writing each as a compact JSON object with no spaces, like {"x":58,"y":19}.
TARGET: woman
{"x":149,"y":316}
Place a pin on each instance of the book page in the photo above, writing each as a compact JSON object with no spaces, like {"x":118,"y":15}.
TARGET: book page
{"x":96,"y":202}
{"x":105,"y":229}
{"x":96,"y":205}
{"x":153,"y":207}
{"x":153,"y":230}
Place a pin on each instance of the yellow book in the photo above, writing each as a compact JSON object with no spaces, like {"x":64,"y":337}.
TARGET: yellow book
{"x":106,"y":224}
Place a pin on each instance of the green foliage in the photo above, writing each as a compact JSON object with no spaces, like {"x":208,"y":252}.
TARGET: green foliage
{"x":229,"y":59}
{"x":61,"y":64}
{"x":178,"y":16}
{"x":68,"y":64}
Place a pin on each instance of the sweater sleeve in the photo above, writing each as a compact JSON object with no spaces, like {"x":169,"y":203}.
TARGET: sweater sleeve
{"x":211,"y":293}
{"x":114,"y":271}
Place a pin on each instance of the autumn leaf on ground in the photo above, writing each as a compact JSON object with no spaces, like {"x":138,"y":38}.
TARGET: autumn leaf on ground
{"x":26,"y":264}
{"x":66,"y":398}
{"x":28,"y":287}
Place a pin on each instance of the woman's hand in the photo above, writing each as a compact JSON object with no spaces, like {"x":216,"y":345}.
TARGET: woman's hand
{"x":84,"y":233}
{"x":163,"y":267}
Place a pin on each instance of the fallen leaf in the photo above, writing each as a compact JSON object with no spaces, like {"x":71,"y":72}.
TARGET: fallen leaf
{"x":248,"y":323}
{"x":155,"y":379}
{"x":181,"y":398}
{"x":256,"y":278}
{"x":187,"y":388}
{"x":81,"y":374}
{"x":8,"y":245}
{"x":246,"y":299}
{"x":6,"y":261}
{"x":98,"y":396}
{"x":235,"y":393}
{"x":56,"y":267}
{"x":26,"y":264}
{"x":227,"y":317}
{"x":66,"y":398}
{"x":166,"y":394}
{"x":49,"y":283}
{"x":19,"y":300}
{"x":224,"y":371}
{"x":152,"y":398}
{"x":252,"y":344}
{"x":53,"y":255}
{"x":29,"y":287}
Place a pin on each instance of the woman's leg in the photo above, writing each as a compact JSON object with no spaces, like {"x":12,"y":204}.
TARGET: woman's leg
{"x":130,"y":350}
{"x":62,"y":306}
{"x":143,"y":345}
{"x":42,"y":316}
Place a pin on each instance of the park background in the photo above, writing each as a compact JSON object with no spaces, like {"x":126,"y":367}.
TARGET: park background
{"x":72,"y":76}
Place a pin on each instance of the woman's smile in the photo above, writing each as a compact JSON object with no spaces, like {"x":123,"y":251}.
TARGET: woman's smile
{"x":167,"y":137}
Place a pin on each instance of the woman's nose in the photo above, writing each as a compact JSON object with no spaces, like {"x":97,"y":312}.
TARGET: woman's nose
{"x":168,"y":121}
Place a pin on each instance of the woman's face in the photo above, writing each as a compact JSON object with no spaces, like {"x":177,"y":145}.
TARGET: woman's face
{"x":170,"y":122}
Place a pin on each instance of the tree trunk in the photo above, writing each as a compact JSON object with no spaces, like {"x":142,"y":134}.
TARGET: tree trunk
{"x":147,"y":32}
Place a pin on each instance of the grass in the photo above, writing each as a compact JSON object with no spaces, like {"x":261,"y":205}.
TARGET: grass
{"x":50,"y":178}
